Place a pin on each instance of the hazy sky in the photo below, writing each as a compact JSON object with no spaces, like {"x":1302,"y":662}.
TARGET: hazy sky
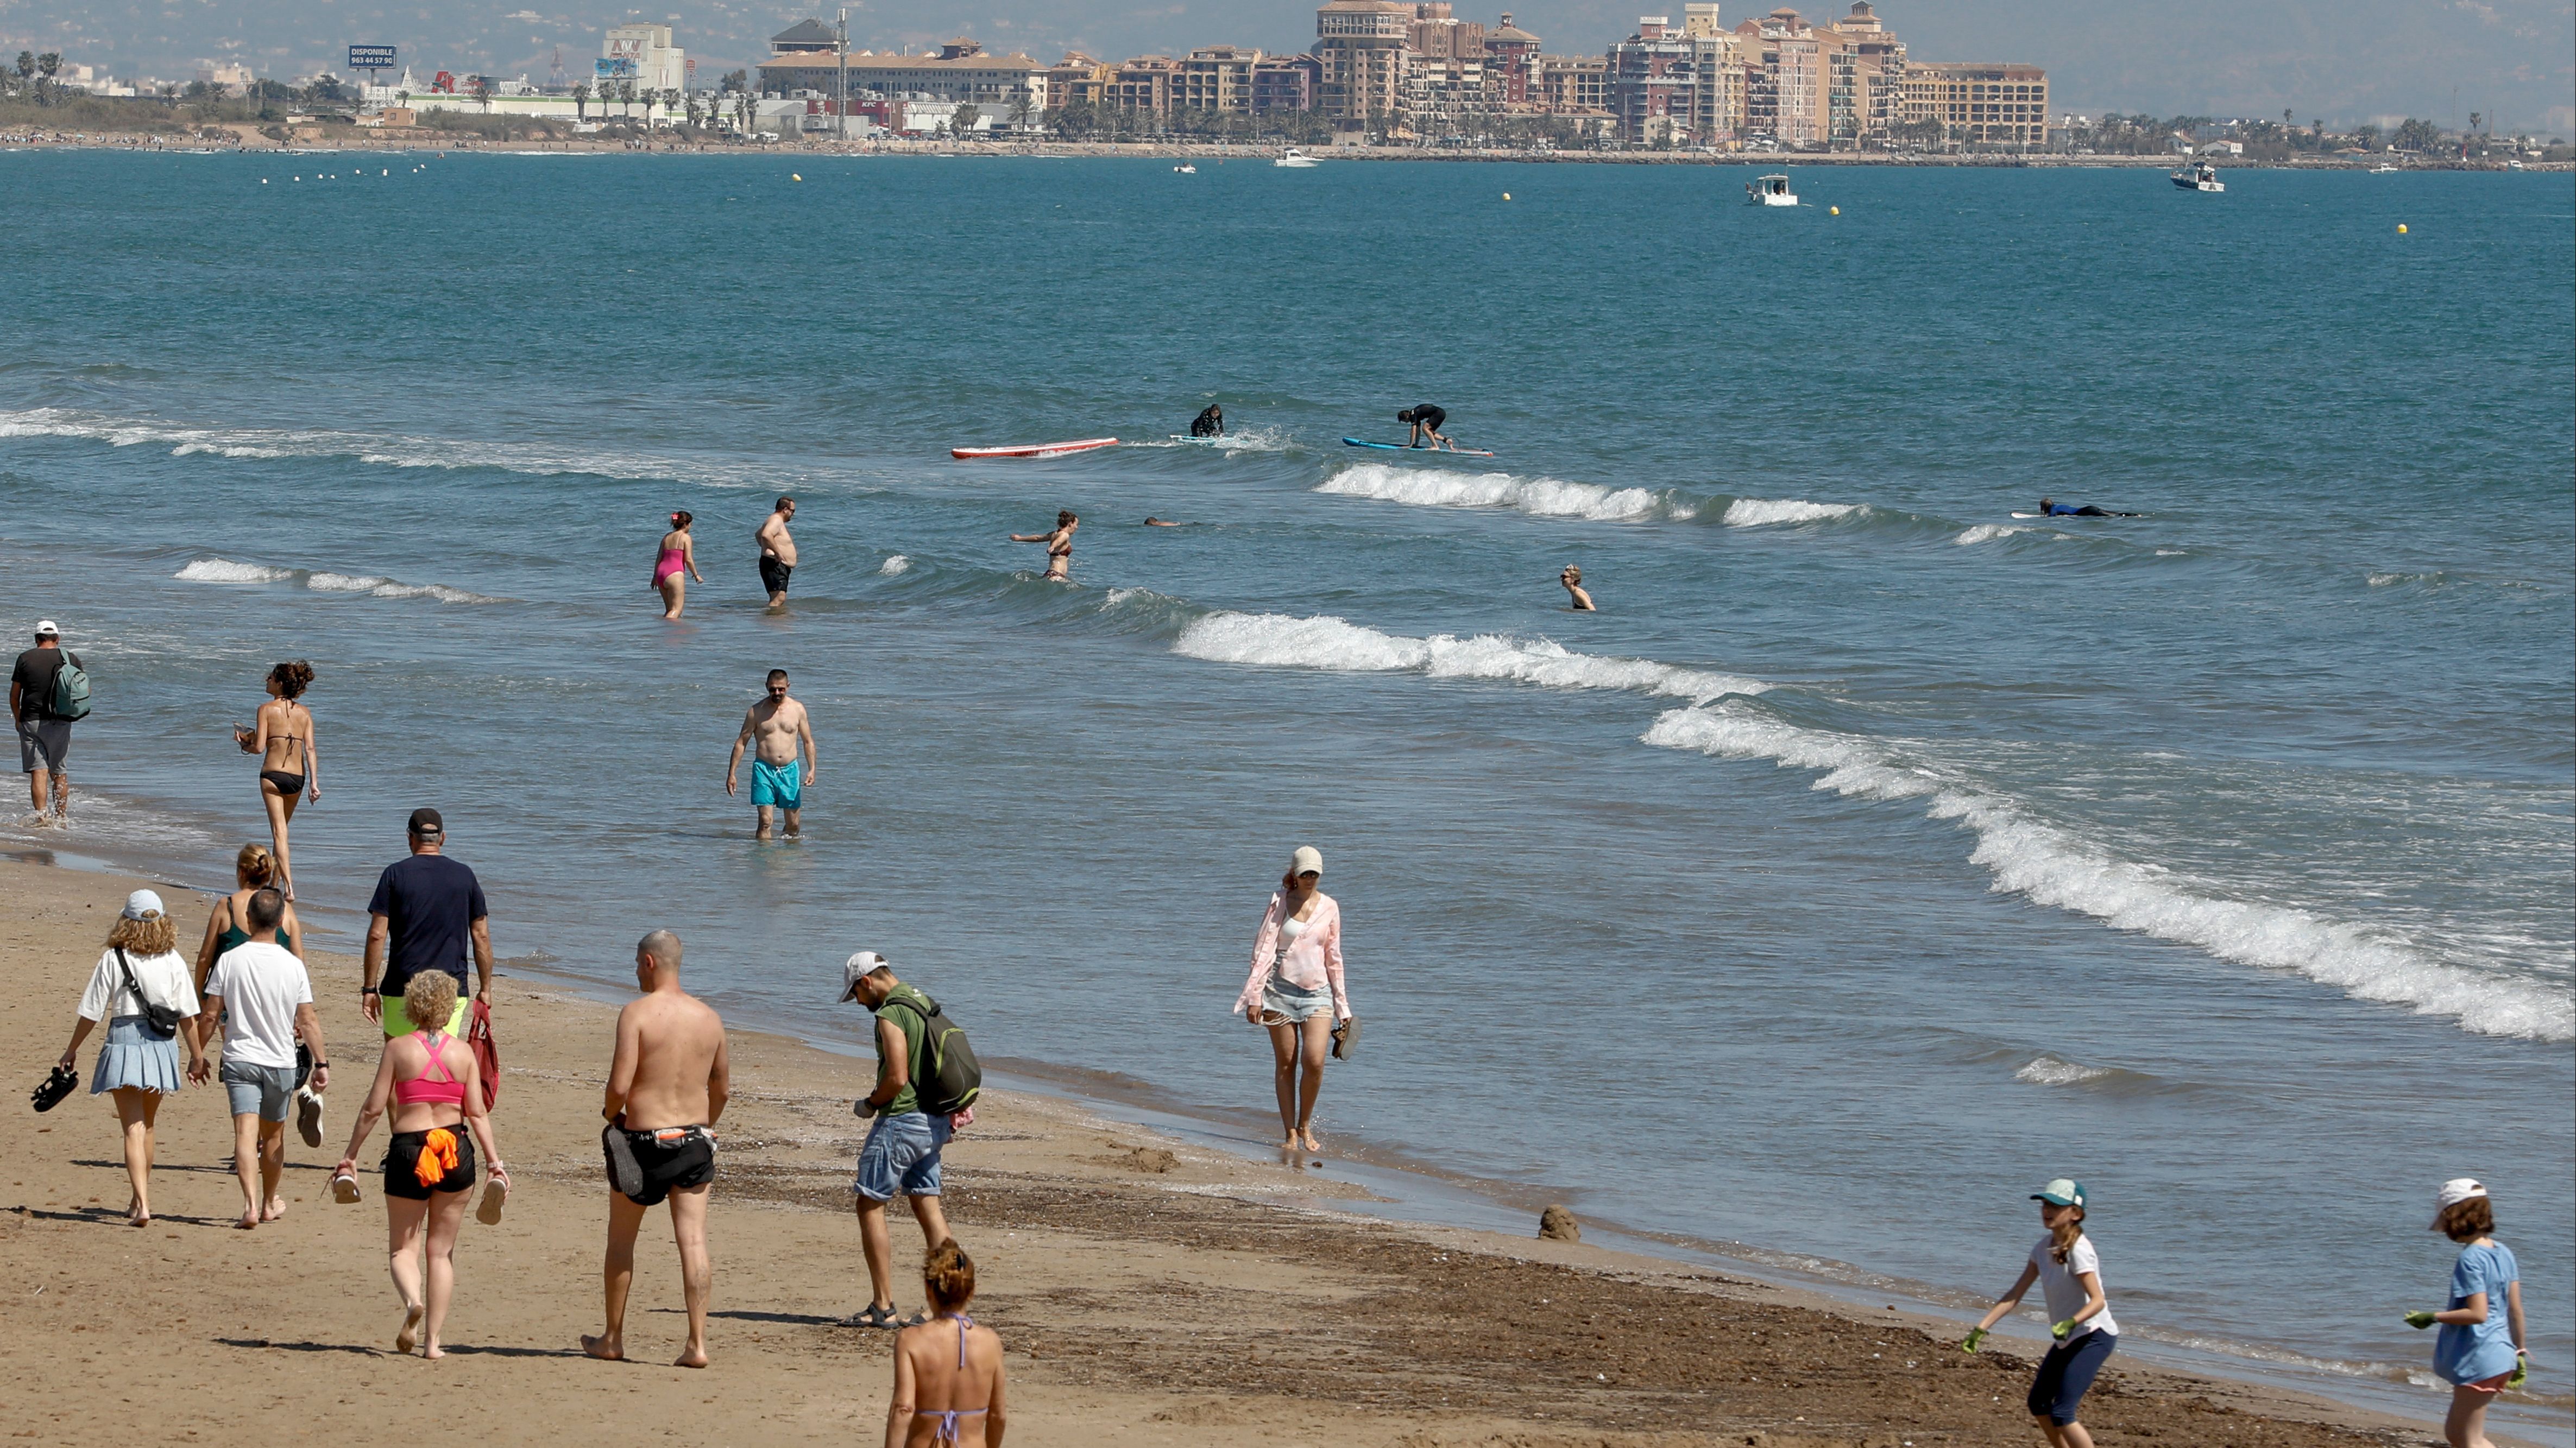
{"x":2343,"y":60}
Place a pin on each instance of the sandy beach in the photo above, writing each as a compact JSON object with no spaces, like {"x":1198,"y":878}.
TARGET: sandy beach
{"x":1148,"y":1291}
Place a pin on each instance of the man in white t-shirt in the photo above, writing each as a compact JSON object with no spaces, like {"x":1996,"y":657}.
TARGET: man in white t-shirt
{"x":265,"y":1000}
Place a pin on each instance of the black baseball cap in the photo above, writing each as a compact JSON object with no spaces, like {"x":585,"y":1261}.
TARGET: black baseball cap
{"x":426,"y":821}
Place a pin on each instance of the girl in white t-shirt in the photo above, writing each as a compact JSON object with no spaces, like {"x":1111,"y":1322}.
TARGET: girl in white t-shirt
{"x":2070,"y":1276}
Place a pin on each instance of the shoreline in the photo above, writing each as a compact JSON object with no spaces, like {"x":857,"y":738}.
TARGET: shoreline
{"x":1411,"y":1199}
{"x":248,"y":140}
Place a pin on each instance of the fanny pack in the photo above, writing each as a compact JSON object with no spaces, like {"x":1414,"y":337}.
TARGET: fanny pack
{"x":164,"y":1020}
{"x":625,"y":1172}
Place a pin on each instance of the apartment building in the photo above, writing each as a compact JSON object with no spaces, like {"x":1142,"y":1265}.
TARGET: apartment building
{"x":1980,"y":104}
{"x":1675,"y":84}
{"x":1142,"y":84}
{"x":1216,"y":78}
{"x":1360,"y":48}
{"x":1572,"y":83}
{"x":1511,"y":62}
{"x":1286,"y":83}
{"x":961,"y":71}
{"x":1077,"y":80}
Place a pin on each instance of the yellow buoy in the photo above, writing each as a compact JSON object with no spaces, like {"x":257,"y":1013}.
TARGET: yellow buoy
{"x":792,"y":176}
{"x":2401,"y":228}
{"x":1836,"y":210}
{"x":1507,"y":196}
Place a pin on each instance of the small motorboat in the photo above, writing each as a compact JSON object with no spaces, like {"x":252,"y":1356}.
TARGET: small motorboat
{"x":2383,"y":169}
{"x":1185,"y":169}
{"x":1294,"y":157}
{"x":1771,"y":190}
{"x":2203,"y":177}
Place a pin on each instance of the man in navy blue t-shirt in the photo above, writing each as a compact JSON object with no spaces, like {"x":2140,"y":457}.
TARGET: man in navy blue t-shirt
{"x":428,"y":912}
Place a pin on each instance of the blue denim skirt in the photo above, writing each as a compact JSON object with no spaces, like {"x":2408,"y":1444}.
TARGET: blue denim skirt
{"x":133,"y":1056}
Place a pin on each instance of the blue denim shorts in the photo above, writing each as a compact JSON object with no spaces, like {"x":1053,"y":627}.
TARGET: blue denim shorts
{"x":901,"y":1155}
{"x":264,"y":1090}
{"x":1280,"y":998}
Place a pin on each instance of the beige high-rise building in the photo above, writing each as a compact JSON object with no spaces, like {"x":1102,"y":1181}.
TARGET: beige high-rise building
{"x":1362,"y":47}
{"x":1572,"y":83}
{"x":1216,"y":78}
{"x":1980,"y":104}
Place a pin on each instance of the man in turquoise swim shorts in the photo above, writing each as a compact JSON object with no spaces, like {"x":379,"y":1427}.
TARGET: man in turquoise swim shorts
{"x":777,"y":729}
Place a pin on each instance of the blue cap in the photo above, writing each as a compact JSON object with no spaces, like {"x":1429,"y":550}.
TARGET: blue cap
{"x":2063,"y":1192}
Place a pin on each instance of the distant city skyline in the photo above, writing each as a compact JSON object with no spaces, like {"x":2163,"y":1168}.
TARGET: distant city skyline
{"x":2511,"y":60}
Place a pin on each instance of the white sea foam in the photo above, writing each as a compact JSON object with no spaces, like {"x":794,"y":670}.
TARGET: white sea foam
{"x":1331,"y":643}
{"x":224,"y":570}
{"x":2049,"y":1070}
{"x":1983,"y":531}
{"x":1540,"y":497}
{"x":1761,"y":512}
{"x":896,"y":564}
{"x":2053,"y":867}
{"x":390,"y":588}
{"x":1250,"y":439}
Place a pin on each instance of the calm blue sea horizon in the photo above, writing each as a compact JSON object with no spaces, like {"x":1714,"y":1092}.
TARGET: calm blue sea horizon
{"x":1871,"y":856}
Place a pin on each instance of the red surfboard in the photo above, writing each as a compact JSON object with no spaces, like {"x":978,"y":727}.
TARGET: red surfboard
{"x":1034,"y":450}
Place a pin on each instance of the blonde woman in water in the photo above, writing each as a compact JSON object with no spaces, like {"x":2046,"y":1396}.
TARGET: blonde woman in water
{"x":282,"y":737}
{"x":1295,"y":991}
{"x":947,"y":1371}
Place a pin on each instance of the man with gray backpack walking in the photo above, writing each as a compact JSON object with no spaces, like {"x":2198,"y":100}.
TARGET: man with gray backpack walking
{"x":48,"y":693}
{"x":927,"y":1082}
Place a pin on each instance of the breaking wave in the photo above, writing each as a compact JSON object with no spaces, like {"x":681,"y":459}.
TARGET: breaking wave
{"x":895,"y":564}
{"x":1539,"y":497}
{"x":1326,"y":642}
{"x":2053,"y":867}
{"x":224,"y":570}
{"x":1762,"y":512}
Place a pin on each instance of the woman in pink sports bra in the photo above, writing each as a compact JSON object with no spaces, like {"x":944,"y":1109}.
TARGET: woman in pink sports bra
{"x":676,"y":565}
{"x":946,"y":1364}
{"x":429,"y":1081}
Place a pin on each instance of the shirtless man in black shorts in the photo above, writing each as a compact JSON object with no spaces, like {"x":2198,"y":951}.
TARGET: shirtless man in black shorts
{"x":777,"y":551}
{"x":666,"y":1087}
{"x":1426,"y":421}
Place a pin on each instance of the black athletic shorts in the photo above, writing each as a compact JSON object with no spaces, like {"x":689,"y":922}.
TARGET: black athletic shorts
{"x":402,"y":1165}
{"x":773,"y":574}
{"x":650,"y":1165}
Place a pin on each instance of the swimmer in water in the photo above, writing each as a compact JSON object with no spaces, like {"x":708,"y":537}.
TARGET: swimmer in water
{"x":1160,"y":523}
{"x":2051,"y":508}
{"x":1426,"y":420}
{"x":1059,"y":545}
{"x":1572,"y":578}
{"x":677,"y":564}
{"x":1210,"y":423}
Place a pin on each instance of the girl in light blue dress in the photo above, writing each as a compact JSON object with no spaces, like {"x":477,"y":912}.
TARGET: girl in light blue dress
{"x":2479,"y":1352}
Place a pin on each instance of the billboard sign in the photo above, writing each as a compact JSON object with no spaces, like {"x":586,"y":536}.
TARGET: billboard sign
{"x":371,"y":57}
{"x":618,"y":67}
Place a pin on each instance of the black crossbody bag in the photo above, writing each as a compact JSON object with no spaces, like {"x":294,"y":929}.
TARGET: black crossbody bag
{"x":164,"y":1020}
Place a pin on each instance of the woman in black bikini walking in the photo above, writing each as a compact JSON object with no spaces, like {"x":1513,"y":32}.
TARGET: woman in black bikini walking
{"x":283,"y":740}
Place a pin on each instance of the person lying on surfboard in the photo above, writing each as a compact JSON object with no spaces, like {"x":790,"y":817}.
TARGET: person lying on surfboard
{"x":1210,"y":423}
{"x":1426,"y":420}
{"x":2051,"y":508}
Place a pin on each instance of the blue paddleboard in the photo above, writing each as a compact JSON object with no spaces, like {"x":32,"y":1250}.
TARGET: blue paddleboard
{"x":1459,"y":452}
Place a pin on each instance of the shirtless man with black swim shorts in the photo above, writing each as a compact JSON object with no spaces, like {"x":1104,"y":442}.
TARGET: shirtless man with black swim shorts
{"x":777,"y":551}
{"x":666,"y":1087}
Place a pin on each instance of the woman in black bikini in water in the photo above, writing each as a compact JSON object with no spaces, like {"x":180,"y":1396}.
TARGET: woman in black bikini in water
{"x":283,"y":740}
{"x":1059,"y":545}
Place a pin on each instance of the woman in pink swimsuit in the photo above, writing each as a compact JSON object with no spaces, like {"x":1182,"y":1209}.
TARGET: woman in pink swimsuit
{"x":677,"y":564}
{"x":430,"y":1083}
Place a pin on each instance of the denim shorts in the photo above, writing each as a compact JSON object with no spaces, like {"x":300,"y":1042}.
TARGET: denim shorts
{"x":901,"y":1155}
{"x":1280,"y":998}
{"x":266,"y":1090}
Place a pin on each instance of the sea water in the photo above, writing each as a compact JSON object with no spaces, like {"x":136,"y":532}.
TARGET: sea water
{"x":1870,"y":857}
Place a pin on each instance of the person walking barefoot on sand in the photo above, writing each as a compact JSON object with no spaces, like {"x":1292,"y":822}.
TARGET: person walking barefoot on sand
{"x":254,"y":869}
{"x":666,"y":1086}
{"x":138,"y":1065}
{"x":429,"y":1081}
{"x":776,"y":728}
{"x":1059,"y":545}
{"x":777,"y":551}
{"x":676,"y":564}
{"x":289,"y":766}
{"x":2070,"y":1276}
{"x":2480,"y":1352}
{"x":270,"y":1001}
{"x":944,"y":1365}
{"x":1577,"y":599}
{"x":1296,"y":993}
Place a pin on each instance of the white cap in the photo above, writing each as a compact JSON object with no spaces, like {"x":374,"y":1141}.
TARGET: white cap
{"x":856,"y":966}
{"x":142,"y":903}
{"x":1307,"y":861}
{"x":2454,"y":1192}
{"x":45,"y":629}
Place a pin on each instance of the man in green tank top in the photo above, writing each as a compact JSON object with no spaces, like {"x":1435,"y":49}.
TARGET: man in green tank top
{"x":903,"y":1145}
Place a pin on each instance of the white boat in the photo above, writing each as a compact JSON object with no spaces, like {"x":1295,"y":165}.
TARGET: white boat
{"x":1185,"y":169}
{"x":2383,"y":170}
{"x":1294,"y":157}
{"x":1771,"y":190}
{"x":2203,"y":177}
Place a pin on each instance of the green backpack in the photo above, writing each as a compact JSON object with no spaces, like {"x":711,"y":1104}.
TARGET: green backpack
{"x":949,"y":1080}
{"x":71,"y":690}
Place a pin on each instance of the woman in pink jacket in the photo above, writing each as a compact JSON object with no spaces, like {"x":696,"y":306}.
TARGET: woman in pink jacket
{"x":1295,"y":991}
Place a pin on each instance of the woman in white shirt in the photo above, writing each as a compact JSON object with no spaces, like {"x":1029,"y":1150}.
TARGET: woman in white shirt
{"x":1295,"y":991}
{"x":2080,"y":1326}
{"x":141,"y":967}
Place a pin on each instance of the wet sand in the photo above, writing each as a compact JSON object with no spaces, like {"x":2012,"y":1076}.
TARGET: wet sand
{"x":1147,"y":1291}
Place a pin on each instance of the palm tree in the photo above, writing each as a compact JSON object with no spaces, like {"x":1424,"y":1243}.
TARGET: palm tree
{"x":961,"y":122}
{"x":581,"y":102}
{"x":46,"y":65}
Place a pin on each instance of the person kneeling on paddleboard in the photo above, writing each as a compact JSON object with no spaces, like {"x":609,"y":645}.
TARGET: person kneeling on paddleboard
{"x":1426,"y":421}
{"x":1210,"y":423}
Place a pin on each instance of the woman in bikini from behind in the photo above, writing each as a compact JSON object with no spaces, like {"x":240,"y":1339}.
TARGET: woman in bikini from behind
{"x":283,"y":740}
{"x":1059,"y":545}
{"x":947,"y":1371}
{"x":676,"y":564}
{"x":254,"y":869}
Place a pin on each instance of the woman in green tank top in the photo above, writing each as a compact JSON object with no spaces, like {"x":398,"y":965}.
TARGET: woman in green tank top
{"x":253,"y":869}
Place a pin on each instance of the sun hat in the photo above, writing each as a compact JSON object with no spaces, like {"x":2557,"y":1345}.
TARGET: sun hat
{"x":2063,"y":1192}
{"x":142,"y":903}
{"x":2454,"y":1192}
{"x":1307,"y":860}
{"x":856,"y":967}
